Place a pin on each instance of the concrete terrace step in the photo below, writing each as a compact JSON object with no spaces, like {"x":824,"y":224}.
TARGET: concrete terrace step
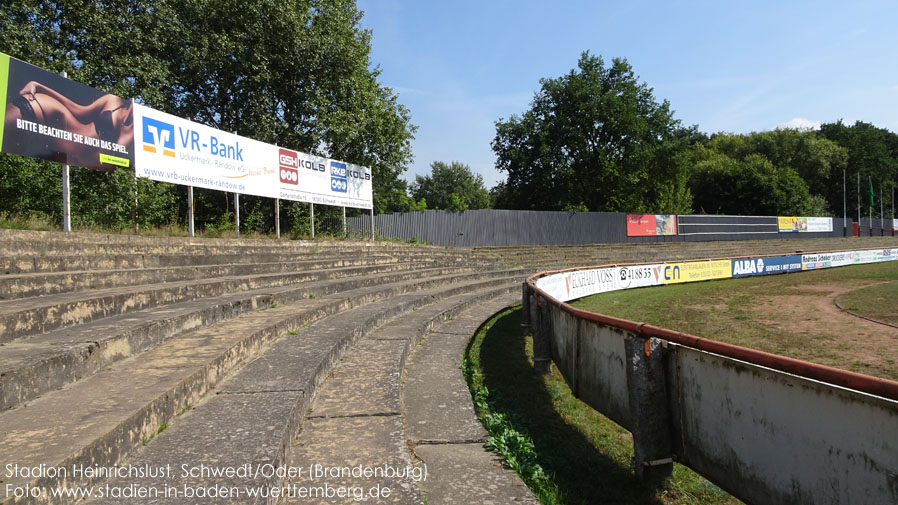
{"x":441,"y":425}
{"x":124,"y":404}
{"x":18,"y":242}
{"x":31,"y":316}
{"x":31,"y":367}
{"x":356,"y":419}
{"x":34,"y":262}
{"x":226,"y":430}
{"x":26,"y":263}
{"x":43,"y":284}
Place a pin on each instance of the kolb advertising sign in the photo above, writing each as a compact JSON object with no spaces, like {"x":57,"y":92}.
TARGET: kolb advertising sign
{"x":307,"y":178}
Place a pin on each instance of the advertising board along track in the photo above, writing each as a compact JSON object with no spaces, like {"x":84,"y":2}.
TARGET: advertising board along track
{"x":686,"y":398}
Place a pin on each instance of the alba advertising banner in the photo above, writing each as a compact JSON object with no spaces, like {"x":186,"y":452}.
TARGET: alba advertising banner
{"x":764,"y":266}
{"x":171,"y":149}
{"x":49,"y":117}
{"x":308,"y":178}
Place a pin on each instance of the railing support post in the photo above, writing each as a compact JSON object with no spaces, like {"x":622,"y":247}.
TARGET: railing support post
{"x":542,"y":345}
{"x":525,"y":310}
{"x":649,"y":406}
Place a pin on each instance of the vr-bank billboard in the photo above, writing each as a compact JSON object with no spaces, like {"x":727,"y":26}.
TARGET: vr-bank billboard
{"x":49,"y":117}
{"x":171,"y":149}
{"x":179,"y":151}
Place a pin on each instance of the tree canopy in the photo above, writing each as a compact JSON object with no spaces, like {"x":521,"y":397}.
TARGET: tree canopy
{"x":451,"y":187}
{"x":594,"y":139}
{"x":296,"y":73}
{"x":597,"y":139}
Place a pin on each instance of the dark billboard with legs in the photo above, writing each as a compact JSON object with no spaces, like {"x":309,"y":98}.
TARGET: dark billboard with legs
{"x":49,"y":117}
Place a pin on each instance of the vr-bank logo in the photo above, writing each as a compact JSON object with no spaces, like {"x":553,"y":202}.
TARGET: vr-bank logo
{"x":289,"y":166}
{"x":338,"y":177}
{"x":158,"y":137}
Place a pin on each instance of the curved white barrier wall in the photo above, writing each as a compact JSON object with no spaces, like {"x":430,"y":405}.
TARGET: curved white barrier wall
{"x":768,"y":429}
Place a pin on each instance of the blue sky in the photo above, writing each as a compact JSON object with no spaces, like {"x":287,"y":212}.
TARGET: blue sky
{"x":725,"y":66}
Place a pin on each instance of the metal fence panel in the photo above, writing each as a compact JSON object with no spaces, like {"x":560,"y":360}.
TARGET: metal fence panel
{"x":496,"y":227}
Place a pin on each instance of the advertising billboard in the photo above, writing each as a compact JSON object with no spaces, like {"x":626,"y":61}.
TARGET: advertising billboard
{"x":791,"y":224}
{"x":49,"y":117}
{"x":651,"y":225}
{"x":175,"y":150}
{"x":308,"y":178}
{"x":568,"y":286}
{"x":744,"y":267}
{"x":675,"y":273}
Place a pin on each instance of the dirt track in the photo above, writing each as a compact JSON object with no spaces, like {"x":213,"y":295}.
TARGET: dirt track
{"x":815,"y":314}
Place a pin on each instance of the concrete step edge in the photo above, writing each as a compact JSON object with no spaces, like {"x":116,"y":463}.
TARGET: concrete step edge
{"x":162,"y":409}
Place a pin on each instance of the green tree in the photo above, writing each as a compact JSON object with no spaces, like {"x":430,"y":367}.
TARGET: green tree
{"x":872,"y":153}
{"x":817,"y":161}
{"x":451,"y":186}
{"x":729,"y":177}
{"x":296,"y":73}
{"x":594,"y":139}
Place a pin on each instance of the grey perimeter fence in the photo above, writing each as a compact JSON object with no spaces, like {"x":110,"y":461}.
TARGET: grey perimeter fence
{"x":478,"y":228}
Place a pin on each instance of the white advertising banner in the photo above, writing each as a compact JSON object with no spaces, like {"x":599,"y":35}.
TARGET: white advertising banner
{"x":568,"y":286}
{"x":171,"y":149}
{"x":820,"y":224}
{"x":307,"y":178}
{"x":839,"y":259}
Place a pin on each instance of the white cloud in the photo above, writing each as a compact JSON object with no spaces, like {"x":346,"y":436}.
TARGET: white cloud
{"x":800,"y":123}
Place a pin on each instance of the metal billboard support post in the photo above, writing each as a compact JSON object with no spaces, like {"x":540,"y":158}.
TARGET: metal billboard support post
{"x":66,"y":191}
{"x":344,"y":222}
{"x":312,"y":218}
{"x":190,"y":227}
{"x":277,"y":217}
{"x":236,"y":207}
{"x":66,"y":200}
{"x":858,"y":204}
{"x":136,"y":225}
{"x":237,"y":213}
{"x":372,"y":223}
{"x":844,"y":204}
